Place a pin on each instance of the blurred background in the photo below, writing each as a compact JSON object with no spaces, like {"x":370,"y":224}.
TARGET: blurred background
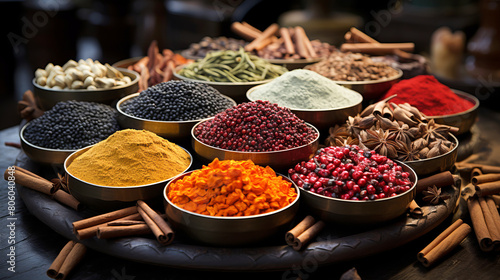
{"x":35,"y":33}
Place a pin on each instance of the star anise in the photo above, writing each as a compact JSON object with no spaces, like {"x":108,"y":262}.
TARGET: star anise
{"x":380,"y":141}
{"x":61,"y":182}
{"x":433,"y":195}
{"x":337,"y":132}
{"x":353,"y":125}
{"x":432,"y":131}
{"x":407,"y":152}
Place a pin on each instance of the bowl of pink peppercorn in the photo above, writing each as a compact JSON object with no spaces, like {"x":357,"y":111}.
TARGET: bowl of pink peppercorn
{"x":261,"y":131}
{"x":352,"y":186}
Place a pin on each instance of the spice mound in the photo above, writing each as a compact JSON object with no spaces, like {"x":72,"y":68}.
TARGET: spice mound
{"x":71,"y":125}
{"x":349,"y":66}
{"x":130,"y":158}
{"x":258,"y":126}
{"x":84,"y":74}
{"x":232,"y":188}
{"x":305,"y":89}
{"x":209,"y":44}
{"x":232,"y":67}
{"x":429,"y":96}
{"x":351,"y":173}
{"x":177,"y":101}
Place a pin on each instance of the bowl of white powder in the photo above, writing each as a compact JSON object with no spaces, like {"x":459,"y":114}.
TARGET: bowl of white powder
{"x":311,"y":96}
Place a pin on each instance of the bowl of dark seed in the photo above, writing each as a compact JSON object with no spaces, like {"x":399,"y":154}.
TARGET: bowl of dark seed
{"x":358,"y":72}
{"x":67,"y":127}
{"x":311,"y":97}
{"x":232,"y":73}
{"x":171,"y":109}
{"x":263,"y":132}
{"x":85,"y":80}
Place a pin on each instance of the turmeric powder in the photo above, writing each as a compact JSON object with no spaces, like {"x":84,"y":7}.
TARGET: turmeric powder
{"x":232,"y":188}
{"x":130,"y":158}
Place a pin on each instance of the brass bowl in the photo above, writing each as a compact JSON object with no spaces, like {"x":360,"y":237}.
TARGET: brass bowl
{"x":372,"y":90}
{"x":463,"y":120}
{"x":322,"y":119}
{"x":41,"y":154}
{"x":166,"y":129}
{"x":278,"y":160}
{"x":444,"y":162}
{"x":105,"y":198}
{"x":292,"y":64}
{"x":229,"y":231}
{"x":236,"y":91}
{"x":48,"y":97}
{"x":361,"y":213}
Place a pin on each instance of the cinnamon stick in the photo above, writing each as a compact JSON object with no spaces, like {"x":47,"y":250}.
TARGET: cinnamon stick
{"x":13,"y":145}
{"x":290,"y":236}
{"x":244,"y":31}
{"x":164,"y":234}
{"x":478,"y":222}
{"x":467,"y":167}
{"x":415,"y":210}
{"x":485,"y":178}
{"x":68,"y":258}
{"x":493,"y":211}
{"x":444,"y":243}
{"x":249,"y":26}
{"x":87,"y":227}
{"x":307,"y":42}
{"x":30,"y":180}
{"x":67,"y":199}
{"x":377,"y":48}
{"x":489,"y":188}
{"x":300,"y":43}
{"x":476,"y":172}
{"x":359,"y":36}
{"x":125,"y":223}
{"x":105,"y":232}
{"x":439,"y":180}
{"x":489,"y":219}
{"x":287,"y":39}
{"x":308,"y":235}
{"x":261,"y":39}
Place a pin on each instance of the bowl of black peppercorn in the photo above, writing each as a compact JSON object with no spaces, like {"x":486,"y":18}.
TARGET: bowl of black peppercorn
{"x":172,"y":108}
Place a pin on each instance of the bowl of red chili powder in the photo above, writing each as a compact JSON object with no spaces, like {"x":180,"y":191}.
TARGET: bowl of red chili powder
{"x":437,"y":101}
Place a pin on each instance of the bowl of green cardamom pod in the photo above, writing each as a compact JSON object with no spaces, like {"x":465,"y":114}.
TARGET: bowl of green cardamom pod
{"x":232,"y":73}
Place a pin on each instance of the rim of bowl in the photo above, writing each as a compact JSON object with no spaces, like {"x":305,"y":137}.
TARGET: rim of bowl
{"x":123,"y":70}
{"x":65,"y":165}
{"x":379,"y":200}
{"x":178,"y":68}
{"x":371,"y":82}
{"x":251,"y":90}
{"x":241,"y":152}
{"x":21,"y":135}
{"x":296,"y":200}
{"x":443,"y":155}
{"x":463,"y":95}
{"x":119,"y":103}
{"x":299,"y":60}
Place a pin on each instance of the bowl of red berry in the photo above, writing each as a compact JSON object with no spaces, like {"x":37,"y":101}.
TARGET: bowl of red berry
{"x":261,"y":131}
{"x":353,"y":186}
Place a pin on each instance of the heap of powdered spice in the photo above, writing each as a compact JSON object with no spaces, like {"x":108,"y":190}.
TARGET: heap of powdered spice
{"x":232,"y":188}
{"x":130,"y":158}
{"x":305,"y":89}
{"x":258,"y":126}
{"x":429,"y":96}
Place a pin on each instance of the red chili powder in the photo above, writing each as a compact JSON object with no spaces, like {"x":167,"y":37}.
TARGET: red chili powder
{"x":430,"y":96}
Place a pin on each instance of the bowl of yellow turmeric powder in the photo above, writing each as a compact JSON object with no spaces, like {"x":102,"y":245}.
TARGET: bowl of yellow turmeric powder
{"x":129,"y":165}
{"x":231,"y":203}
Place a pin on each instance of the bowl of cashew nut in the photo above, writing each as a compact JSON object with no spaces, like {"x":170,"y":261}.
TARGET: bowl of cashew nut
{"x":83,"y":80}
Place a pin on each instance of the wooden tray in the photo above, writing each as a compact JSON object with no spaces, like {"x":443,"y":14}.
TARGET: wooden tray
{"x":335,"y":244}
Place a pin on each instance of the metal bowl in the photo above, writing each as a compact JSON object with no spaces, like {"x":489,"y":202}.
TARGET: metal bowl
{"x":292,"y":64}
{"x":236,"y":91}
{"x":463,"y":120}
{"x":41,"y":154}
{"x":229,"y":231}
{"x":48,"y":97}
{"x":322,"y":119}
{"x":124,"y":63}
{"x":444,"y":162}
{"x":372,"y":90}
{"x":361,"y":213}
{"x":105,"y":198}
{"x":167,"y":129}
{"x":278,"y":160}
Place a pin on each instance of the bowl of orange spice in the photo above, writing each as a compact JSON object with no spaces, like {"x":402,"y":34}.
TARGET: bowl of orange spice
{"x":230,"y":203}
